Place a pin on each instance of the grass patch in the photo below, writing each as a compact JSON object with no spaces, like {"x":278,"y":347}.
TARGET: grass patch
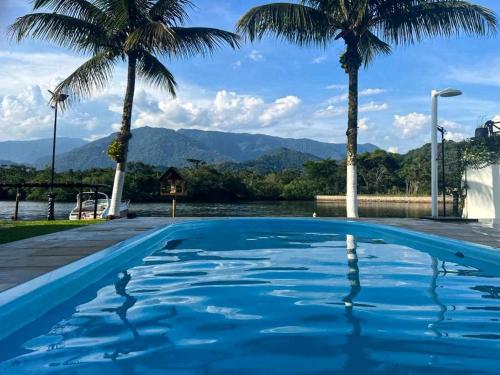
{"x":11,"y":231}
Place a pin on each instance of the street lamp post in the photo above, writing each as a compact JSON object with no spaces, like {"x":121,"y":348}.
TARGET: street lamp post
{"x":56,"y":100}
{"x":443,"y":171}
{"x":447,"y":93}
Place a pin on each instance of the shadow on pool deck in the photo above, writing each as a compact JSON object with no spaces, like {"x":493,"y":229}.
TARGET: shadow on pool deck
{"x":26,"y":259}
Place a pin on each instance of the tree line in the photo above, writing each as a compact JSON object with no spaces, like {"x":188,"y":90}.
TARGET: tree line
{"x":380,"y":172}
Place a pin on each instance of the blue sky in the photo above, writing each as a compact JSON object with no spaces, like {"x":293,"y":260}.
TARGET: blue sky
{"x":267,"y":87}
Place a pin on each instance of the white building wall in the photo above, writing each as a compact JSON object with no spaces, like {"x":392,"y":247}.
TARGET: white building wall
{"x":483,"y":195}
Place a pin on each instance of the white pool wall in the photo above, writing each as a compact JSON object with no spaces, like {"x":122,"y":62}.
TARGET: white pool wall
{"x":483,"y":193}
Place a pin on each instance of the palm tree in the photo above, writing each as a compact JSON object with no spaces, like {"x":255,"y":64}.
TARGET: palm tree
{"x":367,"y":27}
{"x":137,"y":32}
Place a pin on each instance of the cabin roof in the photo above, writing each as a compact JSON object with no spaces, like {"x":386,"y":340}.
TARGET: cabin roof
{"x":172,"y":174}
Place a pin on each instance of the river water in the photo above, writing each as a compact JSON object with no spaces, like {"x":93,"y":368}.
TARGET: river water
{"x":37,"y":210}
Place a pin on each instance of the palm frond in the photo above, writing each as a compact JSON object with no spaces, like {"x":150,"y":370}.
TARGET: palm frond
{"x":328,"y":6}
{"x":153,"y":71}
{"x":154,"y":36}
{"x":116,"y":10}
{"x":191,"y":41}
{"x":65,"y":31}
{"x":172,"y":13}
{"x":92,"y":75}
{"x":138,"y":12}
{"x":423,"y":19}
{"x":179,"y":41}
{"x":82,"y":9}
{"x":361,"y":9}
{"x":297,"y":23}
{"x":370,"y":46}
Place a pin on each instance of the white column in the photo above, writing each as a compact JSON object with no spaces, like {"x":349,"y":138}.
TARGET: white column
{"x":434,"y":154}
{"x":116,"y":197}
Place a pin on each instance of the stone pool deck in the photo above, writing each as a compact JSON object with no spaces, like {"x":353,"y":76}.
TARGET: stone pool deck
{"x":26,"y":259}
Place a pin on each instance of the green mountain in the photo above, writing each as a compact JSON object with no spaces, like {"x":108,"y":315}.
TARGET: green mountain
{"x":28,"y":152}
{"x":165,"y":147}
{"x":275,"y":161}
{"x":153,"y":146}
{"x":243,"y":147}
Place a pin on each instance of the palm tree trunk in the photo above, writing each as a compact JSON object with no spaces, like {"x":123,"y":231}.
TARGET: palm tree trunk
{"x":124,"y":138}
{"x":352,"y":146}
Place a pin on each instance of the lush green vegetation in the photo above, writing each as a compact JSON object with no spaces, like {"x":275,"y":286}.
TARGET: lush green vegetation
{"x":15,"y":231}
{"x":380,"y":172}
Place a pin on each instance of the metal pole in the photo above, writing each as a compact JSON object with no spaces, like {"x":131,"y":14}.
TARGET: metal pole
{"x":50,"y":213}
{"x":16,"y":212}
{"x":434,"y":174}
{"x":80,"y":203}
{"x":53,"y":150}
{"x":174,"y":206}
{"x":455,"y":202}
{"x":443,"y":172}
{"x":95,"y":203}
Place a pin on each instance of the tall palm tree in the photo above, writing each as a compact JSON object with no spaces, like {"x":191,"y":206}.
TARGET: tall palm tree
{"x":367,"y":28}
{"x":137,"y":32}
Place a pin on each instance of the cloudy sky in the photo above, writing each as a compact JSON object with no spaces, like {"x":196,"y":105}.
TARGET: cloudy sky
{"x":269,"y":87}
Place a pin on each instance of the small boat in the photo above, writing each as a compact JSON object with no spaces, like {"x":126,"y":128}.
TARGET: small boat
{"x":88,"y":206}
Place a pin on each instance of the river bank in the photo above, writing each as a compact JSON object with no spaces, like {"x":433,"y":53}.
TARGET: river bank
{"x":383,"y":198}
{"x":38,"y":210}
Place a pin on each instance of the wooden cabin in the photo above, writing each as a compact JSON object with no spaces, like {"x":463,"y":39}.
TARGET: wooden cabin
{"x":172,"y":184}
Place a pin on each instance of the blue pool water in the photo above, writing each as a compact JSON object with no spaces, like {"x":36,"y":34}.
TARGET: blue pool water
{"x":274,"y":297}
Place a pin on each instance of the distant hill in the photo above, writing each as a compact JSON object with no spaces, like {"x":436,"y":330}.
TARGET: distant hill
{"x":165,"y":147}
{"x":27,"y":152}
{"x":277,"y":160}
{"x":154,"y":146}
{"x":243,"y":147}
{"x":4,"y":163}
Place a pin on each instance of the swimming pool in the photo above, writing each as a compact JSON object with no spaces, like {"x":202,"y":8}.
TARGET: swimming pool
{"x":259,"y":296}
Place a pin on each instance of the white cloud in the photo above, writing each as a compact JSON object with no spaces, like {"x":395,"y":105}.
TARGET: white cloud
{"x":455,"y":131}
{"x":336,"y":87}
{"x":370,"y":92}
{"x":227,"y":111}
{"x":411,"y":124}
{"x":256,"y":55}
{"x":319,"y":59}
{"x":21,"y":70}
{"x":364,"y":125}
{"x":280,"y":109}
{"x":330,"y":111}
{"x":338,"y":99}
{"x":28,"y":115}
{"x":24,"y":115}
{"x":345,"y":96}
{"x":373,"y":107}
{"x":393,"y":149}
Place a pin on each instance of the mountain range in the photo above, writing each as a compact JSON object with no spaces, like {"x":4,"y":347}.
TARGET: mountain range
{"x":28,"y":152}
{"x":166,"y":147}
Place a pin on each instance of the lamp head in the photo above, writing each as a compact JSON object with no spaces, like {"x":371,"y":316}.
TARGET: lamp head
{"x":58,"y":98}
{"x":448,"y":93}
